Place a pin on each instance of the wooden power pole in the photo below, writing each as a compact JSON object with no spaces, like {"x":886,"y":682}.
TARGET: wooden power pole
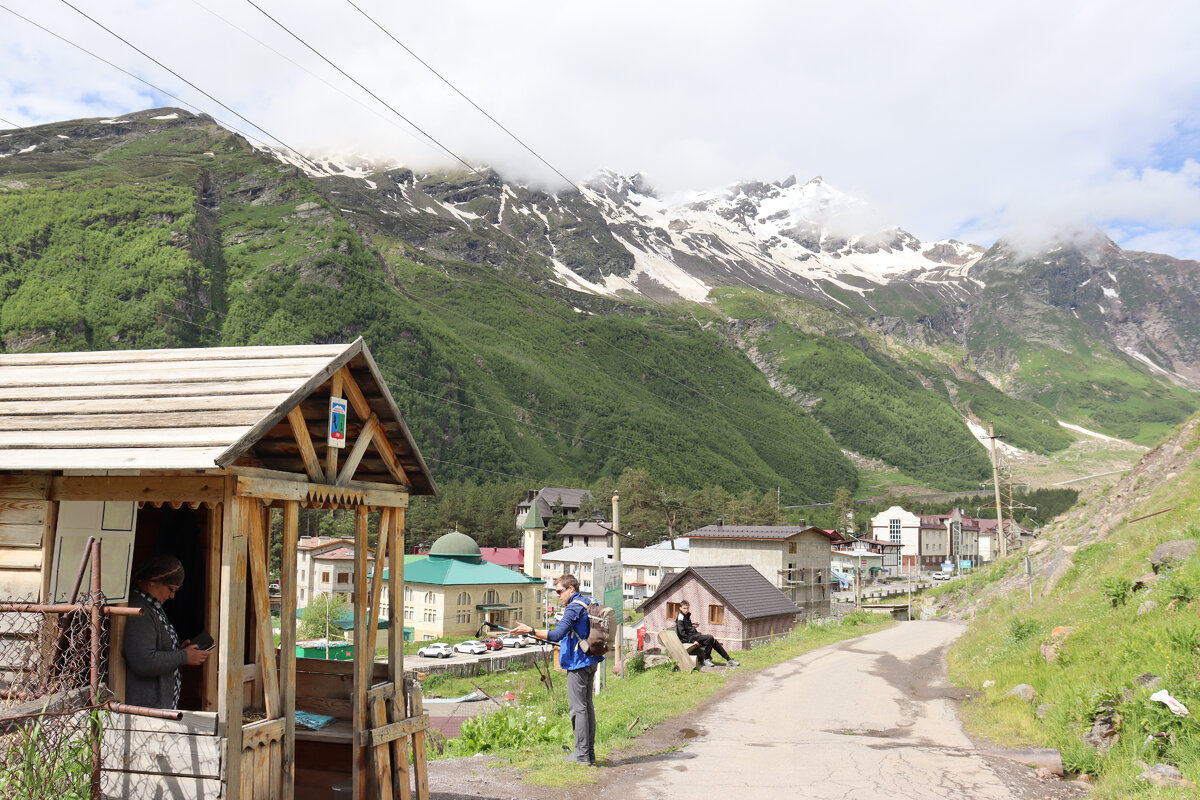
{"x":1000,"y":534}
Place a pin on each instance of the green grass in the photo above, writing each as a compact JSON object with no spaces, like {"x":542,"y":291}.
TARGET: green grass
{"x":1110,"y":646}
{"x":627,"y":708}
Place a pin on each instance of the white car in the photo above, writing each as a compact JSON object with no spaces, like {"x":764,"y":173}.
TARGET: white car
{"x":435,"y":650}
{"x":942,"y":576}
{"x":472,"y":646}
{"x":514,"y":641}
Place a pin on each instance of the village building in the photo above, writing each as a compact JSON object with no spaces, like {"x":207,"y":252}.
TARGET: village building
{"x":900,"y":527}
{"x":881,"y":559}
{"x":795,"y":559}
{"x":589,"y":533}
{"x":551,"y":502}
{"x":325,"y":565}
{"x":453,"y":592}
{"x":948,"y":539}
{"x":109,"y":457}
{"x":734,"y":603}
{"x":508,"y":557}
{"x":644,"y":568}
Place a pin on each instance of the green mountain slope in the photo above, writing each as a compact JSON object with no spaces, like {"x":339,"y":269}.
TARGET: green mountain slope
{"x":174,"y":233}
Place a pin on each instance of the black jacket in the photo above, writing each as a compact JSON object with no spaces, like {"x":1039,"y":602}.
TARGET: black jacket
{"x":684,"y":628}
{"x":152,"y":661}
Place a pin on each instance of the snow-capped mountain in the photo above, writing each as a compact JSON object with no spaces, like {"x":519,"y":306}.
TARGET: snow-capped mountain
{"x":787,"y":237}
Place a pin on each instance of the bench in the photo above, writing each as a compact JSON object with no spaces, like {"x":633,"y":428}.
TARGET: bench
{"x":679,"y":652}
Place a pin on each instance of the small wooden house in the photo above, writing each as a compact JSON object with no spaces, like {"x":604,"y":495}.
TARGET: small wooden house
{"x":192,"y":452}
{"x":734,"y":603}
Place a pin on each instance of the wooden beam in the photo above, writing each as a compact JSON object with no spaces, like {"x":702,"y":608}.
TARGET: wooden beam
{"x":365,"y":437}
{"x":331,"y":453}
{"x":381,"y":755}
{"x":207,"y":489}
{"x":230,"y":655}
{"x":381,"y":552}
{"x":49,"y":538}
{"x":287,"y":629}
{"x":358,"y":402}
{"x":212,"y":611}
{"x":393,"y":731}
{"x":300,"y":430}
{"x":264,"y":639}
{"x":354,"y":493}
{"x":396,"y":599}
{"x":364,"y":656}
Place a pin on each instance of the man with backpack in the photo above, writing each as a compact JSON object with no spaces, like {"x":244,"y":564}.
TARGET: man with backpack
{"x":572,"y":635}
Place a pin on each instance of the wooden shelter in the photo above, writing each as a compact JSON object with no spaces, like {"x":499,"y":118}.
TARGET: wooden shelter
{"x":192,"y":452}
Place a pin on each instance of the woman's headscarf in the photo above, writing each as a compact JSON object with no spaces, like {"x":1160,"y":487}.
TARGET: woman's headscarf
{"x":160,"y":569}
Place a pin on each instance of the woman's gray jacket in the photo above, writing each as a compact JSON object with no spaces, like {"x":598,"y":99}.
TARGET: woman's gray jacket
{"x":151,"y":658}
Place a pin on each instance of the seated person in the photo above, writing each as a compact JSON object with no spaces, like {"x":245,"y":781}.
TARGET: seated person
{"x":687,"y":632}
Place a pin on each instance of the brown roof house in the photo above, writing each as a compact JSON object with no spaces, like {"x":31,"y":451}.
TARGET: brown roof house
{"x":793,"y":558}
{"x":734,"y":603}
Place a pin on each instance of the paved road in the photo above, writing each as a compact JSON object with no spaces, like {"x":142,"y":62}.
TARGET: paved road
{"x":868,"y":718}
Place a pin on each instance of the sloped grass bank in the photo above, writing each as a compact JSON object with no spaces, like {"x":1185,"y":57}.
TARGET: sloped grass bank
{"x":530,"y":735}
{"x":1100,"y":659}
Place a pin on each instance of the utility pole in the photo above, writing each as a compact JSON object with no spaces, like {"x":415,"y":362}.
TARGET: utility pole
{"x":1000,"y":534}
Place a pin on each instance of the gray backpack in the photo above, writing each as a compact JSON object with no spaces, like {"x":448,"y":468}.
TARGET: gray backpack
{"x":602,"y":629}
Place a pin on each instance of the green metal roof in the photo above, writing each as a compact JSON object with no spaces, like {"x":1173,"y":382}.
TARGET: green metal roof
{"x":455,"y":572}
{"x":455,"y":545}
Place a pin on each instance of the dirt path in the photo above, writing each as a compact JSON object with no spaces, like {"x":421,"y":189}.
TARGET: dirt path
{"x":867,"y":718}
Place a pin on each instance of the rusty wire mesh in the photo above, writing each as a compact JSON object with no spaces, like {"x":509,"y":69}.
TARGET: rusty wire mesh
{"x":47,"y":718}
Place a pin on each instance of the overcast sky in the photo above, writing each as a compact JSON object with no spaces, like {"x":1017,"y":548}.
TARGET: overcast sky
{"x":954,"y":119}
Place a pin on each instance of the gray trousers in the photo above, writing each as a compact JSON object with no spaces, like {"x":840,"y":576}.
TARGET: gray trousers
{"x":583,"y":711}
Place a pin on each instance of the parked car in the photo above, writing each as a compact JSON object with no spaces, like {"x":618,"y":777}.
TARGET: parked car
{"x":435,"y":650}
{"x":472,"y":646}
{"x":492,"y":643}
{"x":942,"y":576}
{"x":514,"y":641}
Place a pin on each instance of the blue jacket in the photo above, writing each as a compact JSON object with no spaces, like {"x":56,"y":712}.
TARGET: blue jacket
{"x":571,"y":630}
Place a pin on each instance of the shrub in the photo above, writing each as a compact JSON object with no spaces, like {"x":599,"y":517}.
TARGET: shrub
{"x":509,"y":728}
{"x":1180,"y":588}
{"x":1118,"y":590}
{"x":1021,"y":630}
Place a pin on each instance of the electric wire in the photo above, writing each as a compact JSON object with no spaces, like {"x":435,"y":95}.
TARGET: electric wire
{"x":458,"y":91}
{"x":359,"y":84}
{"x":146,"y":55}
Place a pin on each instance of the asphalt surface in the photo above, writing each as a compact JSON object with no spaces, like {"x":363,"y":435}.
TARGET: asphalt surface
{"x":869,"y":718}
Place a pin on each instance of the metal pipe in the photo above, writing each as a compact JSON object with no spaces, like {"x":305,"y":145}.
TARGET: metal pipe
{"x":66,"y":608}
{"x":73,"y":597}
{"x":96,"y":598}
{"x":142,"y":711}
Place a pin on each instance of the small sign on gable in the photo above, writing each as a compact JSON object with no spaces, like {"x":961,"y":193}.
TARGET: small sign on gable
{"x":337,"y":422}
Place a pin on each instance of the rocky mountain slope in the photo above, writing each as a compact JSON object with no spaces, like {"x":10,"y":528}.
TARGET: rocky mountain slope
{"x":758,"y":335}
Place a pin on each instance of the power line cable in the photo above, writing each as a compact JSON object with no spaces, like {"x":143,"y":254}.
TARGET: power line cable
{"x":146,"y":55}
{"x":359,"y":84}
{"x":300,"y":66}
{"x":475,"y":105}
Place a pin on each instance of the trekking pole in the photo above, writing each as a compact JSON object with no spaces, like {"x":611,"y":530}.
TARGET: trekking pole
{"x":493,"y":626}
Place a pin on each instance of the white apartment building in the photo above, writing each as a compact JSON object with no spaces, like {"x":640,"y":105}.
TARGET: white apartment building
{"x":325,"y":565}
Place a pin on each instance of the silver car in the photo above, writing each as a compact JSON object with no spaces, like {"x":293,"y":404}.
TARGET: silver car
{"x":435,"y":650}
{"x":472,"y":646}
{"x":514,"y":641}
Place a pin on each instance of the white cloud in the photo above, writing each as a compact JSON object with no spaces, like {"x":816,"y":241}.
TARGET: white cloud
{"x":955,"y":119}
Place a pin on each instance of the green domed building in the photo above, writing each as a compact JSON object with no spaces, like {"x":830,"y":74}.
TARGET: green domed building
{"x":451,"y":591}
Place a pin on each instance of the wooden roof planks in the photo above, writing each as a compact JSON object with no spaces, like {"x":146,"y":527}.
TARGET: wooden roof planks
{"x":197,"y":409}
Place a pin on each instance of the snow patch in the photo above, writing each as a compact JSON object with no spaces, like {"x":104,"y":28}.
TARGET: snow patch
{"x":979,"y":433}
{"x":1086,"y":432}
{"x":29,"y":149}
{"x":167,"y":116}
{"x":572,"y":281}
{"x":1109,"y":292}
{"x":62,"y":136}
{"x":370,"y":183}
{"x":113,"y":121}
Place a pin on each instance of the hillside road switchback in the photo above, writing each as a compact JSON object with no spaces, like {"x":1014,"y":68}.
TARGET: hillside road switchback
{"x":871,"y":717}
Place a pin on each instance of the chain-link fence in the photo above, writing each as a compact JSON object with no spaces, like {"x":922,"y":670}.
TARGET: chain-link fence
{"x":51,"y":660}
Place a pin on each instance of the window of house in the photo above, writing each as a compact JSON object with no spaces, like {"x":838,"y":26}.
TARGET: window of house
{"x":792,"y":548}
{"x":586,"y":585}
{"x":301,"y":574}
{"x":464,"y":599}
{"x":408,"y":595}
{"x":517,"y":598}
{"x":428,"y":637}
{"x":716,"y":615}
{"x":428,"y":598}
{"x":492,"y":597}
{"x":408,"y":613}
{"x":463,"y":617}
{"x":653,"y":573}
{"x":324,"y":577}
{"x":894,"y":530}
{"x":672,"y":611}
{"x":301,"y":594}
{"x":343,"y":577}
